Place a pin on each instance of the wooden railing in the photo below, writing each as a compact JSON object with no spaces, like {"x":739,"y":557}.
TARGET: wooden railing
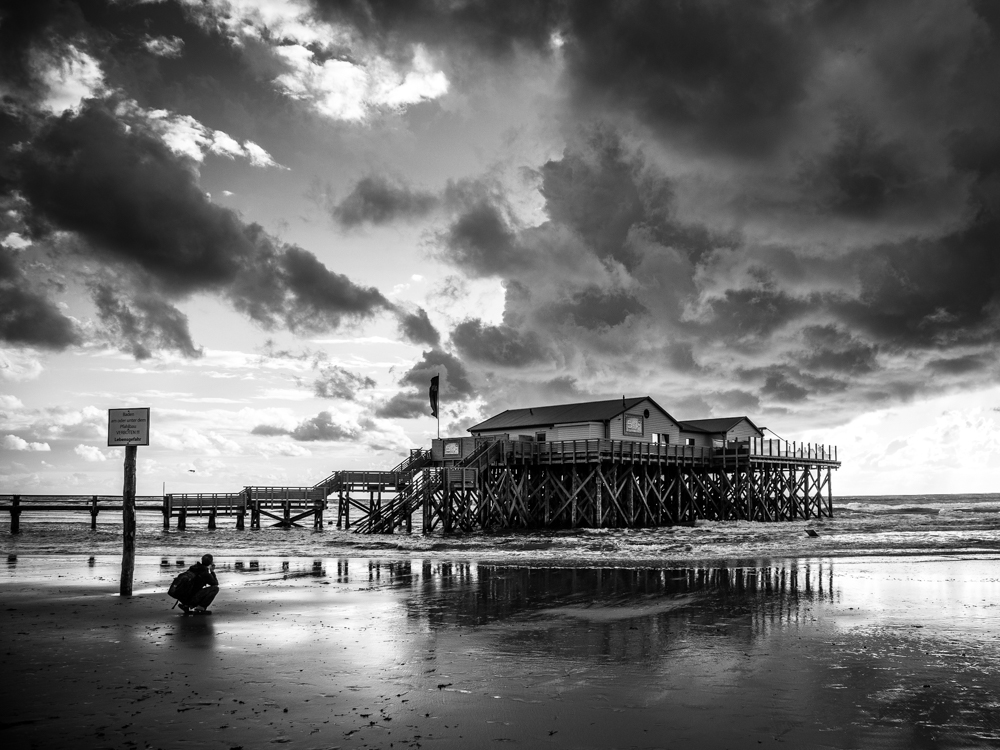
{"x":283,"y":494}
{"x":594,"y":449}
{"x":206,"y":500}
{"x":760,"y":448}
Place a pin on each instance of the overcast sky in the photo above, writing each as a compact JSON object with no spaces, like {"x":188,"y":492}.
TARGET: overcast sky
{"x":272,"y":221}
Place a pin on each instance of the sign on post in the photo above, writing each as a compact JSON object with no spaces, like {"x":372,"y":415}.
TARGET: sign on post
{"x":128,"y":426}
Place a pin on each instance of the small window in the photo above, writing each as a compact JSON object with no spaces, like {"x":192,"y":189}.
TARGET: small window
{"x":645,"y":413}
{"x":665,"y":437}
{"x":539,"y":437}
{"x":688,"y":441}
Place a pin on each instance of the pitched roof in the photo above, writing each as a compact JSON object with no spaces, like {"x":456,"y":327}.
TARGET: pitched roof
{"x":719,"y":424}
{"x":546,"y":416}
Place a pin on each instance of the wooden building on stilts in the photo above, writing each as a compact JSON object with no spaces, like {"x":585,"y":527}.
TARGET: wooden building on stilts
{"x":618,"y":464}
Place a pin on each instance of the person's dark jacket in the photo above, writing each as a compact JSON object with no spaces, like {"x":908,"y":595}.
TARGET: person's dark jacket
{"x":203,"y":576}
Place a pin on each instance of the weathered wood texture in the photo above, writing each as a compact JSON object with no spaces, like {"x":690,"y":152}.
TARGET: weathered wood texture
{"x":600,"y":484}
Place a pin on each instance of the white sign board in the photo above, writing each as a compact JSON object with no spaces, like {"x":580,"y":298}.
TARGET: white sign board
{"x":128,"y":426}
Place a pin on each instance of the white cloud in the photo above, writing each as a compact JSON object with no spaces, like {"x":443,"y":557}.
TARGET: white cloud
{"x":75,"y":76}
{"x":334,"y":86}
{"x":264,"y":19}
{"x":190,"y":440}
{"x":186,"y":136}
{"x":19,"y":365}
{"x":946,"y":444}
{"x":15,"y":241}
{"x":164,"y":46}
{"x":14,"y":443}
{"x":10,"y":402}
{"x":270,"y":448}
{"x":257,"y":156}
{"x":345,"y":90}
{"x":90,"y":453}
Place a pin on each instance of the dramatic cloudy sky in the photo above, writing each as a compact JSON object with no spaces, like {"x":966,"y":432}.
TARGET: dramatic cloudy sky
{"x":272,"y":221}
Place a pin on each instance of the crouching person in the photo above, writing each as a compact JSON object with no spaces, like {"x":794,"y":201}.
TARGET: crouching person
{"x":204,"y":587}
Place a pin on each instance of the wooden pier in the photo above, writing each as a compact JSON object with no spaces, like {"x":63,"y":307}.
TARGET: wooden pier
{"x":286,"y":506}
{"x":596,"y":483}
{"x":508,"y":484}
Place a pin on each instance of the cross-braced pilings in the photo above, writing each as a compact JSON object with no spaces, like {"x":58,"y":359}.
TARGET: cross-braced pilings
{"x":598,"y":484}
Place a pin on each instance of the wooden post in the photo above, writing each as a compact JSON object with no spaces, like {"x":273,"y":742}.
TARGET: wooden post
{"x":318,"y":516}
{"x":15,"y":515}
{"x":211,"y":519}
{"x":128,"y":522}
{"x":166,"y":512}
{"x":287,"y":514}
{"x":241,"y":515}
{"x":93,"y":513}
{"x":182,"y":516}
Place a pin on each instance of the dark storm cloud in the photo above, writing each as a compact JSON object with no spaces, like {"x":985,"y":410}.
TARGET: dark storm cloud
{"x":268,"y":430}
{"x":482,"y":241}
{"x":417,"y":328}
{"x":863,"y":174}
{"x":735,"y":401}
{"x":499,"y":345}
{"x":755,"y":313}
{"x":481,"y":26}
{"x":779,"y":386}
{"x":322,"y":428}
{"x":972,"y":363}
{"x":413,"y":400}
{"x":603,"y":194}
{"x":722,"y":73}
{"x":831,"y":349}
{"x":923,"y":293}
{"x":26,"y":315}
{"x":595,"y":308}
{"x":337,"y":382}
{"x":26,"y":28}
{"x":143,"y":324}
{"x":320,"y":293}
{"x":138,"y":207}
{"x":376,"y":200}
{"x":719,"y":72}
{"x":31,"y":319}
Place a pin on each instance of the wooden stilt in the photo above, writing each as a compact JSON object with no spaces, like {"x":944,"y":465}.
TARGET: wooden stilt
{"x":15,"y":515}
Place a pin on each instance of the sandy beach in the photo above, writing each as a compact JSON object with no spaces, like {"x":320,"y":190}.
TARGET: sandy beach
{"x":349,"y":652}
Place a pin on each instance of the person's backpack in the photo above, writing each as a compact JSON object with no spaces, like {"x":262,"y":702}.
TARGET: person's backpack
{"x":183,"y":586}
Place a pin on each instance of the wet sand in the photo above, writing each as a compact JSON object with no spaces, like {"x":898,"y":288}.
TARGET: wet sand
{"x":349,"y":653}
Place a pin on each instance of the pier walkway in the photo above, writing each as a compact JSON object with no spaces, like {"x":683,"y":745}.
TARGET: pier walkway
{"x":502,"y":484}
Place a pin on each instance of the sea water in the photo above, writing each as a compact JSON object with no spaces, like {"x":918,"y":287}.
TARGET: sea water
{"x":886,"y":525}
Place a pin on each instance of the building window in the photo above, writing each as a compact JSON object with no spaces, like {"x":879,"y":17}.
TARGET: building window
{"x":688,"y":441}
{"x":540,"y":437}
{"x":665,"y":437}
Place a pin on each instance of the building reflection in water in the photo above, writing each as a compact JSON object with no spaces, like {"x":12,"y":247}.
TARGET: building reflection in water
{"x":623,"y":613}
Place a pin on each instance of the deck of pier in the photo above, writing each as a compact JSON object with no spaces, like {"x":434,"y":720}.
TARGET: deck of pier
{"x":503,"y":484}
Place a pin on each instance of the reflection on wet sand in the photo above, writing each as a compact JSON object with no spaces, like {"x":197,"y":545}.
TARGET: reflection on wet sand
{"x":355,"y":653}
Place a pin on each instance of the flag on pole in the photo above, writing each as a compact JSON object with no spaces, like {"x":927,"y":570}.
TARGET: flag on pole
{"x":434,"y":395}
